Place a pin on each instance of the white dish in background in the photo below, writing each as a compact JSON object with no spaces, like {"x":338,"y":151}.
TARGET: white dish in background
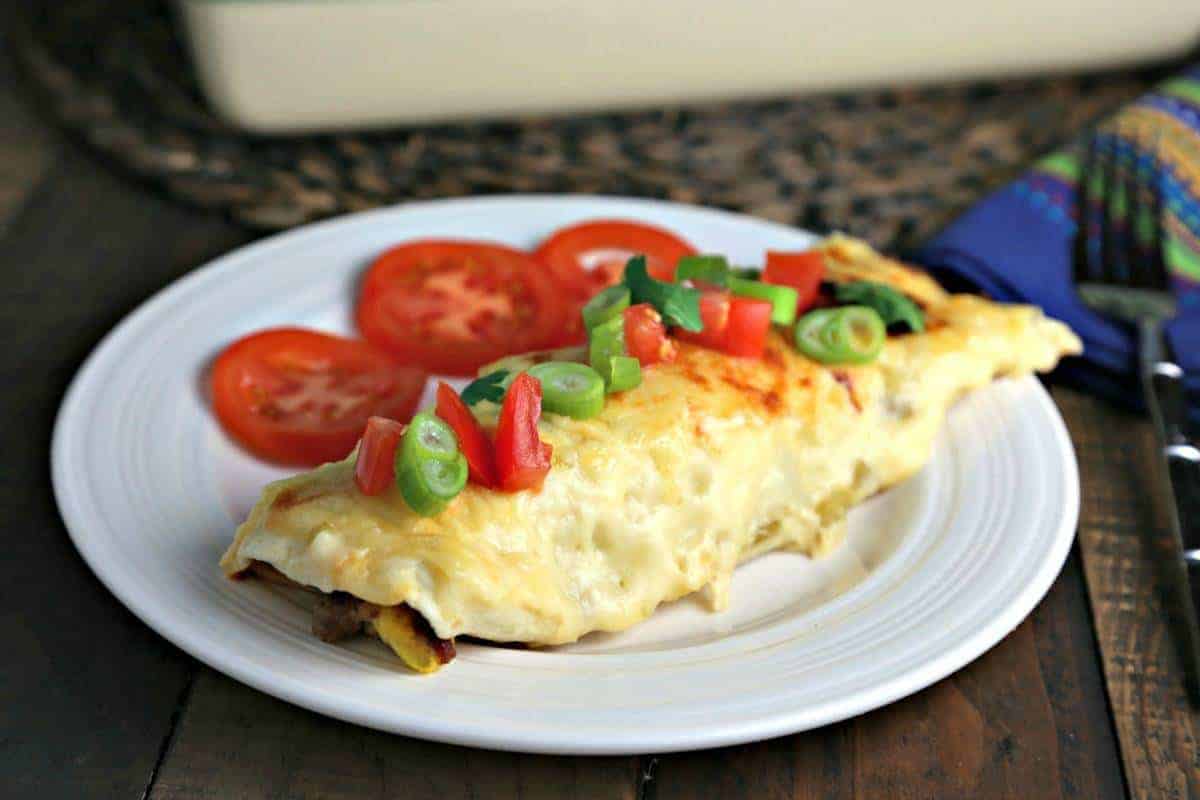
{"x":934,"y":572}
{"x":274,"y":66}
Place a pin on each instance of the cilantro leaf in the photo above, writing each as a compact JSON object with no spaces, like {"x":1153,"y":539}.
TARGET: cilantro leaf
{"x":488,"y":387}
{"x":679,"y":305}
{"x":894,"y":307}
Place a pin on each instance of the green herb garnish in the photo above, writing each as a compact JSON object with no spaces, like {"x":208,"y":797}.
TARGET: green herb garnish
{"x":710,"y":269}
{"x":892,"y":306}
{"x":489,"y":387}
{"x":679,"y":305}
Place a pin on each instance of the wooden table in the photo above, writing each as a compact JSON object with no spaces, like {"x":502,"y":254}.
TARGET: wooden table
{"x":93,"y":704}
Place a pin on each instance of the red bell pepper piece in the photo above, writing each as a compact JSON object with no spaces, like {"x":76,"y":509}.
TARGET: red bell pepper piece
{"x":472,"y":441}
{"x":375,"y":465}
{"x":802,"y":271}
{"x":522,"y":458}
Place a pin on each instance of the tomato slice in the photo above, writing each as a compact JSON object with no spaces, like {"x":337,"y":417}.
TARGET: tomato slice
{"x":300,"y":397}
{"x":375,"y":467}
{"x":453,"y":306}
{"x":472,"y":441}
{"x":714,"y":314}
{"x":582,"y":259}
{"x":749,"y":321}
{"x":522,"y":458}
{"x":646,"y":336}
{"x":802,"y":271}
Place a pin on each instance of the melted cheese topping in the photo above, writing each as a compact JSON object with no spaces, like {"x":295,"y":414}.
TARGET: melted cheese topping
{"x":711,"y":461}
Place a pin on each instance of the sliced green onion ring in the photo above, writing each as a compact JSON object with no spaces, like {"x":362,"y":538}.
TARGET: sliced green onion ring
{"x":429,"y":484}
{"x":573,"y":390}
{"x":428,"y":437}
{"x":783,"y":299}
{"x":808,"y":334}
{"x":625,"y":372}
{"x":846,"y":335}
{"x":710,"y":269}
{"x":605,"y":306}
{"x":605,"y":341}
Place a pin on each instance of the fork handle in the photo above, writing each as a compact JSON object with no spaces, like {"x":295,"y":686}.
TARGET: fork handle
{"x":1182,"y":457}
{"x":1162,"y":386}
{"x":1163,"y":379}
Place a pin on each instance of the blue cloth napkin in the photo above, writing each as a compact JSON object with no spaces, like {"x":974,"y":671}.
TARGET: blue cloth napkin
{"x":1018,"y":244}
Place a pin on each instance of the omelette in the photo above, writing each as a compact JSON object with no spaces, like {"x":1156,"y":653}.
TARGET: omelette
{"x":711,"y":461}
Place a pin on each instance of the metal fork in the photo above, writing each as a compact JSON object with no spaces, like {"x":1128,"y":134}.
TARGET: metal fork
{"x":1123,"y":275}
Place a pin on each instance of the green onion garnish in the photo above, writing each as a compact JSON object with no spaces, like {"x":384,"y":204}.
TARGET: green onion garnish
{"x":710,"y":269}
{"x":430,"y":470}
{"x":605,"y":306}
{"x":487,"y":387}
{"x":428,"y":436}
{"x":892,"y":306}
{"x":847,"y":335}
{"x":679,"y":305}
{"x":783,"y":299}
{"x":625,"y":372}
{"x":429,"y":484}
{"x":573,"y":390}
{"x":605,"y":342}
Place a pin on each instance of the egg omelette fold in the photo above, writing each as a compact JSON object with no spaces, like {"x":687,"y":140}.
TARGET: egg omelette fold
{"x":711,"y":461}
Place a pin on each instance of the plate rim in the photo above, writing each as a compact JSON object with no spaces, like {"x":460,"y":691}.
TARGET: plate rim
{"x":642,"y":739}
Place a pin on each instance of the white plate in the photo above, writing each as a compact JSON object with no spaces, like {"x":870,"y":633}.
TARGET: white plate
{"x":934,"y":572}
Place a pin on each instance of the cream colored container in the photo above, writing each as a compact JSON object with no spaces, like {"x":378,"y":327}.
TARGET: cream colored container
{"x":292,"y":65}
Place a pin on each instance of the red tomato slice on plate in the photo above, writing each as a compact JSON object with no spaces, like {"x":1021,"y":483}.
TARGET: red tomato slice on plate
{"x":302,"y":398}
{"x":583,"y":259}
{"x":453,"y":306}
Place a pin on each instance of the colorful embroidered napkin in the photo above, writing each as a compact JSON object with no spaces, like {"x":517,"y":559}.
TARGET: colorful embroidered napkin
{"x":1141,"y":176}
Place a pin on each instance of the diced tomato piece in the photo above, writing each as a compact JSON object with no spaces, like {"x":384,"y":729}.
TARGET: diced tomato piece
{"x":375,"y":465}
{"x":802,"y":271}
{"x":749,"y":321}
{"x":522,"y":458}
{"x":714,"y":314}
{"x":472,"y":441}
{"x":646,"y":335}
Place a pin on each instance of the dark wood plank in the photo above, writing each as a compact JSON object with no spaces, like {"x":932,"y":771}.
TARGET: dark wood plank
{"x":1122,"y":537}
{"x":1028,"y":719}
{"x":234,"y":742}
{"x":87,"y":692}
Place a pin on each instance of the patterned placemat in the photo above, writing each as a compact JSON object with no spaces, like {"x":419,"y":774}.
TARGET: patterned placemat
{"x":887,"y":165}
